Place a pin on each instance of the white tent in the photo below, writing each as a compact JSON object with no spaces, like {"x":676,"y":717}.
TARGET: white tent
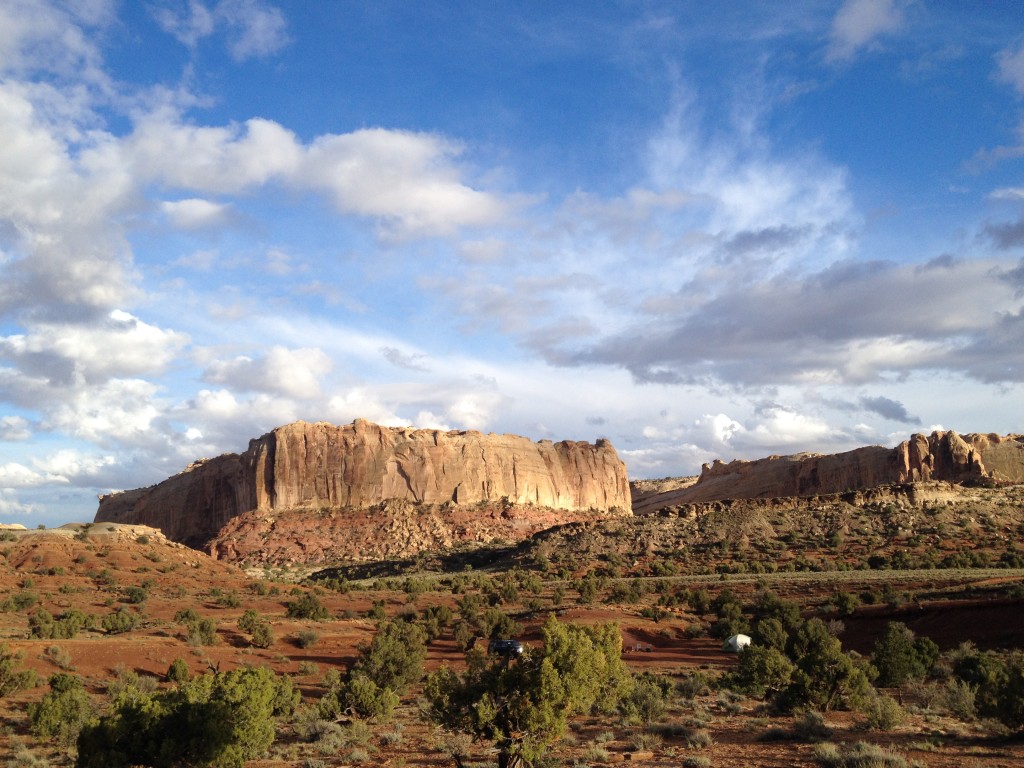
{"x":736,"y":643}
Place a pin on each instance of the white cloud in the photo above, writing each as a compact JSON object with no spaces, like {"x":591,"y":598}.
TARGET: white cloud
{"x":119,"y":410}
{"x":1011,"y":66}
{"x":61,"y":213}
{"x":859,"y":22}
{"x":19,"y":476}
{"x":195,"y":213}
{"x":1008,"y":193}
{"x":62,"y":467}
{"x":37,"y":35}
{"x":407,"y":181}
{"x":11,"y":507}
{"x":254,"y":29}
{"x":188,"y":22}
{"x":361,"y":403}
{"x":14,"y":428}
{"x":257,"y":29}
{"x":119,"y":345}
{"x":281,"y":371}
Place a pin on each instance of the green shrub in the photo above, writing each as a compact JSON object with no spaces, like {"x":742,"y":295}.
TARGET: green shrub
{"x":859,"y":755}
{"x":217,"y":720}
{"x":308,"y":606}
{"x":60,"y":657}
{"x":307,"y":638}
{"x":178,"y":671}
{"x":135,"y":595}
{"x":198,"y":631}
{"x":811,"y":726}
{"x":882,"y":713}
{"x":12,"y":677}
{"x":44,"y":626}
{"x":261,"y":636}
{"x":119,"y":621}
{"x":63,"y":710}
{"x":958,"y":697}
{"x":647,"y":700}
{"x":523,"y":706}
{"x":394,"y":658}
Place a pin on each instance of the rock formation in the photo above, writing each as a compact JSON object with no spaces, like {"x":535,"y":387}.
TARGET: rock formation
{"x":945,"y":456}
{"x":323,"y":468}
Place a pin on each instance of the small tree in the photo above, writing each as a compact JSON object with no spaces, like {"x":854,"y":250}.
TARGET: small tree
{"x":391,"y":662}
{"x":523,"y":705}
{"x":825,"y":677}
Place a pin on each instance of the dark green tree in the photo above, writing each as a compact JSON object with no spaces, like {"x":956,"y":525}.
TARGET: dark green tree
{"x":763,"y":671}
{"x":900,"y":657}
{"x":216,"y":720}
{"x":825,"y":677}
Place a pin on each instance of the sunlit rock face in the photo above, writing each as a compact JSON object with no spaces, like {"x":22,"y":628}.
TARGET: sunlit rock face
{"x":323,"y":467}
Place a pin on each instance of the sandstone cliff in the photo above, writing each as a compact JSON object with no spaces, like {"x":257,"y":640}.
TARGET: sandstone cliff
{"x":326,"y":468}
{"x":945,"y":456}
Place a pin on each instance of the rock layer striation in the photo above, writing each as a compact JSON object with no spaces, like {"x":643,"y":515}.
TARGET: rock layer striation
{"x":323,"y":467}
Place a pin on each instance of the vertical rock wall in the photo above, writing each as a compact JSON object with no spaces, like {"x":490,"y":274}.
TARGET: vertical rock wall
{"x":321,"y":465}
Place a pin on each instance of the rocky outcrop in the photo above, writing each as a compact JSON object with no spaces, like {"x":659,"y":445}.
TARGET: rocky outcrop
{"x":326,"y":468}
{"x":945,"y":456}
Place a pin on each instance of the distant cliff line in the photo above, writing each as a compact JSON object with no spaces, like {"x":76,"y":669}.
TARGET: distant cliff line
{"x":941,"y":456}
{"x":310,"y":466}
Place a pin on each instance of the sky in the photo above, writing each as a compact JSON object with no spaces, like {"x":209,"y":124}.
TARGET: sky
{"x":701,"y":231}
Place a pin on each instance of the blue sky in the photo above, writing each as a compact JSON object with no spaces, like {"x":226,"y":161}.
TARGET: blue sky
{"x":725,"y":233}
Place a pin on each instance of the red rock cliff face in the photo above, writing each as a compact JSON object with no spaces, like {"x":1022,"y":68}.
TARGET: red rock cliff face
{"x":310,"y":466}
{"x":944,"y":456}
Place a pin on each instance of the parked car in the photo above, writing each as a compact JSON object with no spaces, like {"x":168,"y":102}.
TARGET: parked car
{"x":505,"y":647}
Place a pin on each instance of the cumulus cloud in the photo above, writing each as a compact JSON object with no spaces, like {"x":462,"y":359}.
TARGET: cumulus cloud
{"x":118,"y":345}
{"x":42,"y":36}
{"x":281,"y":371}
{"x":58,"y":208}
{"x":409,"y":183}
{"x":859,"y":22}
{"x":188,"y":22}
